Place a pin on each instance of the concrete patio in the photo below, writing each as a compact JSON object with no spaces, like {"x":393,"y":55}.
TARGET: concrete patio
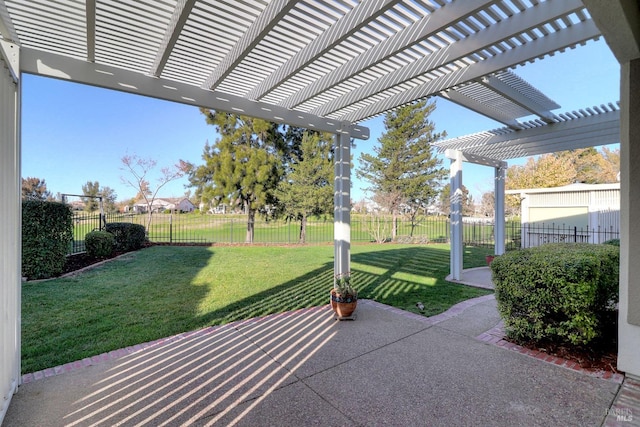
{"x":388,"y":367}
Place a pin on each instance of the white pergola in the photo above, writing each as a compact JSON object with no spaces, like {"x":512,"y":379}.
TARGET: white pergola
{"x":552,"y":133}
{"x":320,"y":64}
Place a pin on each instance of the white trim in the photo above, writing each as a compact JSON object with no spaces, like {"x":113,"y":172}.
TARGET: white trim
{"x":56,"y":66}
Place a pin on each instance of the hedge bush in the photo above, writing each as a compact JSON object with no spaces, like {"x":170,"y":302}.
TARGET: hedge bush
{"x":127,"y":236}
{"x":99,"y":244}
{"x":47,"y":232}
{"x":558,"y":292}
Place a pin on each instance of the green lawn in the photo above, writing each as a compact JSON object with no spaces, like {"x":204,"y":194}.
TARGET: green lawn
{"x":164,"y":290}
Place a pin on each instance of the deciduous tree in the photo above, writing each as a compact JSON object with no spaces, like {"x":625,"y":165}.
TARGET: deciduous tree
{"x":138,"y":170}
{"x":445,"y":201}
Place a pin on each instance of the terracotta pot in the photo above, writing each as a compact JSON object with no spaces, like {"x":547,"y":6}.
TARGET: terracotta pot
{"x":346,"y":309}
{"x":490,"y":259}
{"x":332,"y":295}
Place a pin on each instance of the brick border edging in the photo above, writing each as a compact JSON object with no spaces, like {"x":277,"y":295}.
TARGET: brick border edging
{"x":116,"y":354}
{"x":496,"y":336}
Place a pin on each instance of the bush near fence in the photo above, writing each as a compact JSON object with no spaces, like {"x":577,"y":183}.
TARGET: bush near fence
{"x":99,"y":244}
{"x":126,"y":236}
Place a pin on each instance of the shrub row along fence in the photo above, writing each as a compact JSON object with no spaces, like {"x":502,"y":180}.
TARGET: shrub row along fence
{"x":197,"y":228}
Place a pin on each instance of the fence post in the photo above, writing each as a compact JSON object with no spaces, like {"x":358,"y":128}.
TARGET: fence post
{"x":231,"y":228}
{"x":171,"y":228}
{"x":575,"y":234}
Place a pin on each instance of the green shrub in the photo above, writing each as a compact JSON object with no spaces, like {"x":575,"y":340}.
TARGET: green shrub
{"x":128,"y":237}
{"x":99,"y":244}
{"x":47,"y":232}
{"x":556,"y":292}
{"x":614,"y":242}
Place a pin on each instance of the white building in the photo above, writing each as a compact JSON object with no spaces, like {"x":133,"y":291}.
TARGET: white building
{"x":587,"y":213}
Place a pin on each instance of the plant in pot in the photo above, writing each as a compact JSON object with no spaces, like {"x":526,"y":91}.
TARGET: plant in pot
{"x":344,"y":298}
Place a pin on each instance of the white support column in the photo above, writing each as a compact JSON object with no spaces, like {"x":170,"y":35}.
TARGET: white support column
{"x":498,"y":230}
{"x":629,"y":306}
{"x":10,"y":225}
{"x":455,"y":218}
{"x":342,"y":205}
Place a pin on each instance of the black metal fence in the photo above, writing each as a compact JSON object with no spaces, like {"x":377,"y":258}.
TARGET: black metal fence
{"x":197,"y":228}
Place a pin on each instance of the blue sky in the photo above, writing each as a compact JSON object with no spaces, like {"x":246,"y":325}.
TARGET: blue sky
{"x":73,"y":133}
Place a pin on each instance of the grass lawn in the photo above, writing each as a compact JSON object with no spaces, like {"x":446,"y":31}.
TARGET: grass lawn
{"x":165,"y":290}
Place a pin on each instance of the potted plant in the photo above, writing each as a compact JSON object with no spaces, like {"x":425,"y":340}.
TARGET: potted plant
{"x":490,"y":258}
{"x":344,"y":298}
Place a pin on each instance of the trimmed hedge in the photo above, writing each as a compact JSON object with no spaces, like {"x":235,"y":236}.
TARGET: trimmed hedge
{"x":128,"y":237}
{"x":99,"y":244}
{"x":557,"y":292}
{"x":47,"y":232}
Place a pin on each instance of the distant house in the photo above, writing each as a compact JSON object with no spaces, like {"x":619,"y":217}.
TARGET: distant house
{"x":572,"y":213}
{"x":163,"y":204}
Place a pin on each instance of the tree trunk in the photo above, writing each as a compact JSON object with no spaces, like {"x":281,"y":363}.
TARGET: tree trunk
{"x":394,"y":227}
{"x":251,"y":215}
{"x":303,"y":229}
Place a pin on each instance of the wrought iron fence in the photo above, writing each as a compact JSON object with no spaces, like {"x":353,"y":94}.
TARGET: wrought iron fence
{"x":197,"y":228}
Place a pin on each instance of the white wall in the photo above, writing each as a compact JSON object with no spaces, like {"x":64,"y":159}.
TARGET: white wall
{"x":10,"y":238}
{"x":629,"y":314}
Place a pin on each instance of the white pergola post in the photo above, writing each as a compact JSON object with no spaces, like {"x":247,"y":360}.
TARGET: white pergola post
{"x":342,"y":205}
{"x":498,"y":230}
{"x":629,"y":306}
{"x":10,"y":224}
{"x":455,"y":174}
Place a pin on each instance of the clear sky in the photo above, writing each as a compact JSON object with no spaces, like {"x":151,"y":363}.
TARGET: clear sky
{"x":73,"y":133}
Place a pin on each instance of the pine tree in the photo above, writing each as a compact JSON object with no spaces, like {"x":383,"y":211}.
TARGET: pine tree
{"x":243,"y":167}
{"x":308,"y":187}
{"x":404,"y":170}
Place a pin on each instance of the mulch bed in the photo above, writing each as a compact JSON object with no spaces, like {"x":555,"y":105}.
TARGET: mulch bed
{"x":600,"y":355}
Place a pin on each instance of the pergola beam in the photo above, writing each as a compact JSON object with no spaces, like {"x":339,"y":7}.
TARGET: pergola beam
{"x":7,"y":30}
{"x":597,"y":129}
{"x":474,"y":158}
{"x":56,"y":66}
{"x":352,"y":21}
{"x":178,"y":19}
{"x":416,"y":32}
{"x":90,"y":17}
{"x":518,"y":98}
{"x":498,"y":32}
{"x":571,"y":36}
{"x":272,"y":14}
{"x":480,"y":108}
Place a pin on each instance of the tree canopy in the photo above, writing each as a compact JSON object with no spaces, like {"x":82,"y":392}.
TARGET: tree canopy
{"x":138,"y":170}
{"x":243,"y":167}
{"x":35,"y":189}
{"x":91,"y":190}
{"x":308,"y":187}
{"x":403,"y":170}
